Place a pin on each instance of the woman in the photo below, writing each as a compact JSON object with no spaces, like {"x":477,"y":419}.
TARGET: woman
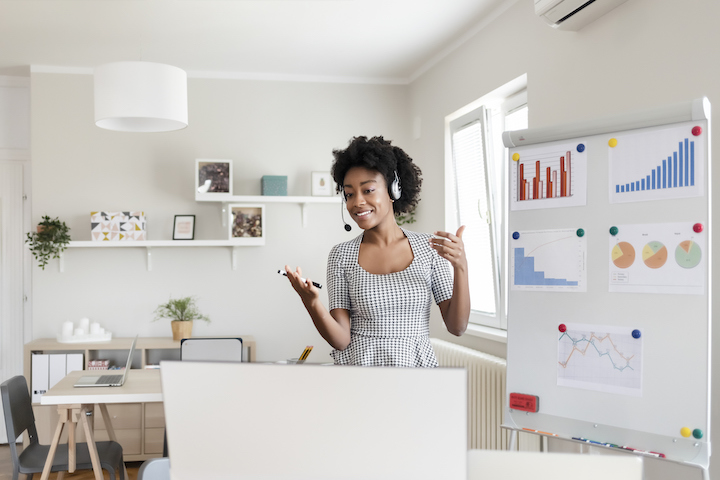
{"x":381,"y":284}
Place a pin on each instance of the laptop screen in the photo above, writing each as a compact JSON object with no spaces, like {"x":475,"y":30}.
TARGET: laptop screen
{"x":290,"y":422}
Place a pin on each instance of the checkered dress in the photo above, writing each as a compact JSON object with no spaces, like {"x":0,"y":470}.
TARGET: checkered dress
{"x":390,"y":313}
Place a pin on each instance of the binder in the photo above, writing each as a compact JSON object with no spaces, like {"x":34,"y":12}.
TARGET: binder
{"x":57,"y":368}
{"x":40,"y":375}
{"x":74,"y":362}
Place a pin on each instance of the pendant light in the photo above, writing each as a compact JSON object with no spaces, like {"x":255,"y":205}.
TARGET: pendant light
{"x":140,"y":97}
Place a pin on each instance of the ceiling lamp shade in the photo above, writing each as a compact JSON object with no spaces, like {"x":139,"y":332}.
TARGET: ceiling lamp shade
{"x":140,"y":97}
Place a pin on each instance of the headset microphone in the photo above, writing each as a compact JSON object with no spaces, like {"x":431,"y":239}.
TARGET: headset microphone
{"x":342,"y":212}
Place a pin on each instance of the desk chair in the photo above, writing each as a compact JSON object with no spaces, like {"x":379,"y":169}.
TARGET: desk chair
{"x":212,"y":349}
{"x":155,"y":469}
{"x":19,"y":418}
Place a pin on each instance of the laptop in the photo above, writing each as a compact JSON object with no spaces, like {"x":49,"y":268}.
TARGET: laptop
{"x":108,"y":380}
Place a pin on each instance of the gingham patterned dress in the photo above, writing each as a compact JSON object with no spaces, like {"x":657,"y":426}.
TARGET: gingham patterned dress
{"x":389,"y":313}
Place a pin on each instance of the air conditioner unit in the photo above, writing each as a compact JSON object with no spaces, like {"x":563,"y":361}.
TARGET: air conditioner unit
{"x":573,"y":14}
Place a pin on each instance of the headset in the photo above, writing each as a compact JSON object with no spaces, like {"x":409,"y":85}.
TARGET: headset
{"x":395,"y":192}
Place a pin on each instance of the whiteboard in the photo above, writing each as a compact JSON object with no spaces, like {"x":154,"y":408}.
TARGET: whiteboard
{"x":610,"y":327}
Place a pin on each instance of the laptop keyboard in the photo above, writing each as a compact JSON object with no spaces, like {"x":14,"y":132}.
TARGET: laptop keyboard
{"x":110,"y":379}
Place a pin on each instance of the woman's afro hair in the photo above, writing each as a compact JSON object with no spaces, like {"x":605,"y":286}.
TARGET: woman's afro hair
{"x":380,"y":155}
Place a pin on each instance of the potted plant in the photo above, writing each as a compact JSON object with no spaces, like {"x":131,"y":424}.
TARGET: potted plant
{"x":181,"y":311}
{"x":49,"y":241}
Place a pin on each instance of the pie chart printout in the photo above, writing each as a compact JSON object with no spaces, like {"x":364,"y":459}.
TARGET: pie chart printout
{"x":688,"y":254}
{"x":623,"y":255}
{"x":654,"y":254}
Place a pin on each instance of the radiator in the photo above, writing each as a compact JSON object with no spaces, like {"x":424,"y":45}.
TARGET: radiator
{"x":486,"y":392}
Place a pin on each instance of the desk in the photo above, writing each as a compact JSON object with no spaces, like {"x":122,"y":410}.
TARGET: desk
{"x":141,"y":386}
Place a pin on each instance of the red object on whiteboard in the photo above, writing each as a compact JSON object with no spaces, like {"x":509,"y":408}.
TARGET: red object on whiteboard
{"x":526,"y":403}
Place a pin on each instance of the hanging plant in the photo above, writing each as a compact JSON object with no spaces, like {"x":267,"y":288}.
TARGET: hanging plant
{"x":49,"y":241}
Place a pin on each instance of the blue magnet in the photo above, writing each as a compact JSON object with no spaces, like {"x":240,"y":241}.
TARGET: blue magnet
{"x":636,"y":333}
{"x":516,"y":235}
{"x":581,"y":147}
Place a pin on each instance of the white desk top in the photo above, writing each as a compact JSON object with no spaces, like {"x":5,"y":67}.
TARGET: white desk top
{"x":140,"y":386}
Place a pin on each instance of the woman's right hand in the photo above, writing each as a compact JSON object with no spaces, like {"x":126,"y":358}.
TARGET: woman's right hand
{"x":307,"y":291}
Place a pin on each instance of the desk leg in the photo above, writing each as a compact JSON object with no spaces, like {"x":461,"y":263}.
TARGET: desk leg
{"x":92,"y":448}
{"x":72,"y":442}
{"x":110,"y":429}
{"x":54,"y":444}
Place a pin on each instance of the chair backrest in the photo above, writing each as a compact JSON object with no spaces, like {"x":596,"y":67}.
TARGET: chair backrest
{"x":155,"y":469}
{"x":18,"y":412}
{"x":212,"y":349}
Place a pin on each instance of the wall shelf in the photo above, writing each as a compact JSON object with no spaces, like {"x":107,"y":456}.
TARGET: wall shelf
{"x":148,"y":245}
{"x":225,"y":200}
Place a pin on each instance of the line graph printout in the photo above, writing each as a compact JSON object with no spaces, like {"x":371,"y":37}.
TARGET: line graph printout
{"x":601,"y":358}
{"x":549,"y":260}
{"x":658,"y":164}
{"x":658,"y":258}
{"x":548,"y":176}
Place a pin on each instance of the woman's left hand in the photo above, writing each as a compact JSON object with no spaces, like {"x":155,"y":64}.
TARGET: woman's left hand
{"x":451,"y":247}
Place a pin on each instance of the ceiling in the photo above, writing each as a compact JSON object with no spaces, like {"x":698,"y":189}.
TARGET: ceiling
{"x":386,"y":41}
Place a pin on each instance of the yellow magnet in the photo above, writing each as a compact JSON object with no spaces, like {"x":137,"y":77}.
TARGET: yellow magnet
{"x":685,"y":432}
{"x":516,"y":157}
{"x":612,"y":142}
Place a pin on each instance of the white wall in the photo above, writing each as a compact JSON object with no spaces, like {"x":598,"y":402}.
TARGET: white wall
{"x":643,"y":54}
{"x":271,"y":128}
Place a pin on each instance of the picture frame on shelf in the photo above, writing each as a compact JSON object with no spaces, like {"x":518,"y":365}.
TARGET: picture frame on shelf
{"x":184,"y":227}
{"x":246,"y":224}
{"x":213,"y":177}
{"x":322,"y":184}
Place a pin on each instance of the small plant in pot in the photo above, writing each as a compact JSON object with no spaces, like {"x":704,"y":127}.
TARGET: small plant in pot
{"x":49,"y":241}
{"x":181,"y":311}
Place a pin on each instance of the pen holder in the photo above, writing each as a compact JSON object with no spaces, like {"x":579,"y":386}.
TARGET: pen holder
{"x":294,"y":361}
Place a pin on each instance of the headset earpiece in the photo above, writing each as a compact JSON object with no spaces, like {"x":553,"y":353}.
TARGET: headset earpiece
{"x":395,"y":188}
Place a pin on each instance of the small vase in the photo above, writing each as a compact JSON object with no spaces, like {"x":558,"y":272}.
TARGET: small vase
{"x":181,"y":329}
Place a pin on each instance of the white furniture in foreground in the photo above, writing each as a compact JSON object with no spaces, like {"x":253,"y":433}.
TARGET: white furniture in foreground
{"x":312,"y":422}
{"x":509,"y":465}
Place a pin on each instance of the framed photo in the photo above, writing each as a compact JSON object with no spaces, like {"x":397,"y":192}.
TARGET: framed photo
{"x":213,"y":178}
{"x":246,"y":224}
{"x":322,"y":184}
{"x":184,"y":227}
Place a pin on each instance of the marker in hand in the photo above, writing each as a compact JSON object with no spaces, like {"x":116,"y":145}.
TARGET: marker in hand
{"x":283,"y":272}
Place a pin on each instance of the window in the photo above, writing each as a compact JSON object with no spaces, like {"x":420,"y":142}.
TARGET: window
{"x":476,"y":194}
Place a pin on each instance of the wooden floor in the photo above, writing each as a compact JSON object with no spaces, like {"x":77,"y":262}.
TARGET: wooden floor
{"x":6,"y":469}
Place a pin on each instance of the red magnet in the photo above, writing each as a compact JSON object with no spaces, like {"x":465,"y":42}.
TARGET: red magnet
{"x":698,"y":227}
{"x":562,"y":327}
{"x":696,"y":131}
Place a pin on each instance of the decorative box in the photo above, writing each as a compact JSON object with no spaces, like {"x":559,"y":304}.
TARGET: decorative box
{"x":117,"y":226}
{"x":274,"y":185}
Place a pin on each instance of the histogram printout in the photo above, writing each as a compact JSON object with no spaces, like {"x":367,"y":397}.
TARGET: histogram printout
{"x":548,"y":260}
{"x":658,"y":164}
{"x":658,"y":258}
{"x":548,"y":176}
{"x":600,"y":357}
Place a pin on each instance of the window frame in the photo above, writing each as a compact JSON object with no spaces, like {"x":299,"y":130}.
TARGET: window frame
{"x":505,"y":100}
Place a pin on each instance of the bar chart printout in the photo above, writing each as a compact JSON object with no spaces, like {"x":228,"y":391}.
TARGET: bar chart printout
{"x":550,"y":260}
{"x":668,"y":163}
{"x":600,"y":357}
{"x":549,"y":176}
